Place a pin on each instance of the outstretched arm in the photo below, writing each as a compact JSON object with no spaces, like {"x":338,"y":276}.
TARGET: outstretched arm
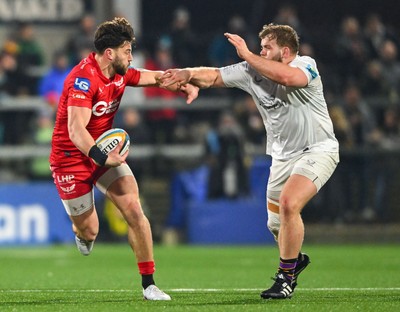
{"x":149,"y":78}
{"x":203,"y":77}
{"x":274,"y":70}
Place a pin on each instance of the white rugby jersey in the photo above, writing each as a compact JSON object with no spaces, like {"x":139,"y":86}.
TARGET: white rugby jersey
{"x":295,"y":119}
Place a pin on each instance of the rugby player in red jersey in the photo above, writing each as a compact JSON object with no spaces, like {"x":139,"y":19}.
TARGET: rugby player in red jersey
{"x":90,"y":99}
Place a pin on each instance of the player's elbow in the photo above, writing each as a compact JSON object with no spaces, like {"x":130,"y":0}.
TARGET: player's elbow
{"x":293,"y":78}
{"x":291,"y":81}
{"x":73,"y":133}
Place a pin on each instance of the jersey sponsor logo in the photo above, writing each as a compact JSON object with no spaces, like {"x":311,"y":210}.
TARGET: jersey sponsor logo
{"x":102,"y":107}
{"x":272,"y":102}
{"x":78,"y":96}
{"x":82,"y":84}
{"x":312,"y":71}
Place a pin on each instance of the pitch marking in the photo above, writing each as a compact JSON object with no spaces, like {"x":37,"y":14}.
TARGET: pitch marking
{"x":190,"y":290}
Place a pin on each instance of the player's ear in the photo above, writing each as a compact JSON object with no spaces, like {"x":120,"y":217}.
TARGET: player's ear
{"x":109,"y":53}
{"x":285,"y":52}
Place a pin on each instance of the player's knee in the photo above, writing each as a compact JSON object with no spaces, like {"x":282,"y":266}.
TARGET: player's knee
{"x":289,"y":206}
{"x":273,"y":223}
{"x":133,"y":214}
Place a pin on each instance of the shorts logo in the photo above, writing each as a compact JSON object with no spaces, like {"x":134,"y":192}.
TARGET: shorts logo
{"x":310,"y":162}
{"x":82,"y":84}
{"x":67,"y":181}
{"x":68,"y":189}
{"x":65,"y":178}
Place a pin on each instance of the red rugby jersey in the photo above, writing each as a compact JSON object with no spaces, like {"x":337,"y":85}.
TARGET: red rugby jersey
{"x":86,"y":86}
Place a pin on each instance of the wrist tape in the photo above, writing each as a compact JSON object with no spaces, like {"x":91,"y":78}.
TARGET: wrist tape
{"x":97,"y":155}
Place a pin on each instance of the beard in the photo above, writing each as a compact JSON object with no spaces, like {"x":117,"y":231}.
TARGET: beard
{"x":277,"y":57}
{"x":119,"y":67}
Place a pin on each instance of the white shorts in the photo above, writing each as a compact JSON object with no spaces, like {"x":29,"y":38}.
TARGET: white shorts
{"x":79,"y":205}
{"x":316,"y":166}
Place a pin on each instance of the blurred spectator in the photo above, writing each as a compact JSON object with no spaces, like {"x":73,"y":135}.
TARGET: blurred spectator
{"x":250,"y":120}
{"x":390,"y":130}
{"x":350,"y":50}
{"x":356,"y":164}
{"x":132,"y":122}
{"x":184,"y":43}
{"x":376,"y":33}
{"x":335,"y":207}
{"x":139,"y":133}
{"x":162,"y":121}
{"x":341,"y":126}
{"x":373,"y":81}
{"x":361,"y":118}
{"x":8,"y":74}
{"x":225,"y":158}
{"x":287,"y":14}
{"x":160,"y":60}
{"x":51,"y":85}
{"x":80,"y":44}
{"x":221,"y":52}
{"x":390,"y":67}
{"x":12,"y":118}
{"x":30,"y":59}
{"x":39,"y":166}
{"x":385,"y":167}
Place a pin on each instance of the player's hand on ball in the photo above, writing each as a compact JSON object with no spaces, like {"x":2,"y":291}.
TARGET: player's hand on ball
{"x":114,"y":158}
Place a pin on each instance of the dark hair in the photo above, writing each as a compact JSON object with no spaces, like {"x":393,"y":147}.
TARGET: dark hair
{"x":112,"y":34}
{"x":285,"y":36}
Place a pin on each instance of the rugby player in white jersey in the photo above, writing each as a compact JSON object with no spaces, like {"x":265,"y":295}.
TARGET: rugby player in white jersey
{"x":288,"y":92}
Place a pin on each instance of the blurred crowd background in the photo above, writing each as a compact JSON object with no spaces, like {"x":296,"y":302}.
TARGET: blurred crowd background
{"x":357,"y":53}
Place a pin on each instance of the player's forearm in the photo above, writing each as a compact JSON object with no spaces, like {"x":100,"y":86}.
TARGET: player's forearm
{"x":81,"y":139}
{"x":149,"y":78}
{"x":78,"y":118}
{"x":276,"y":71}
{"x":205,"y":77}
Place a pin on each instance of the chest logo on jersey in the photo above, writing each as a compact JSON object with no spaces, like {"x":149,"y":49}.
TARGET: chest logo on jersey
{"x":102,"y":107}
{"x":272,"y":102}
{"x":82,"y":84}
{"x":257,"y":79}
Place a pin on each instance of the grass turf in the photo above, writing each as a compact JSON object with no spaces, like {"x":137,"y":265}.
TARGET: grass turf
{"x":199,"y":278}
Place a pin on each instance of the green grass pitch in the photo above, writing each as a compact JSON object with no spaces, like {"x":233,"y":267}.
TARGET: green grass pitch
{"x":199,"y":278}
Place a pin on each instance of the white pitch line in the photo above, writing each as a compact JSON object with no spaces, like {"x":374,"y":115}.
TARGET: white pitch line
{"x":259,"y":289}
{"x":190,"y":290}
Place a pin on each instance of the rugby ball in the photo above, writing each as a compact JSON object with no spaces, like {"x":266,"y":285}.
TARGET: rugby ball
{"x":109,"y":140}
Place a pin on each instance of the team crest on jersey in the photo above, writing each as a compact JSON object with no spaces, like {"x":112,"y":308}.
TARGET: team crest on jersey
{"x":82,"y":84}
